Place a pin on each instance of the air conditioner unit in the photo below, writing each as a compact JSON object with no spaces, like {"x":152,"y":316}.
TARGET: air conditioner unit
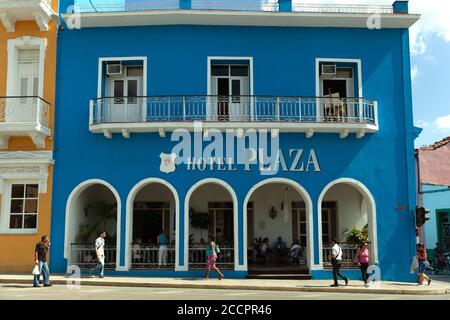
{"x":328,"y":69}
{"x":114,"y":69}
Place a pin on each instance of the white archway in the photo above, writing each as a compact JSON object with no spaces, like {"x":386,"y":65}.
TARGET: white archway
{"x":76,"y":192}
{"x":187,"y":221}
{"x":309,"y":215}
{"x":129,"y":216}
{"x":371,"y":217}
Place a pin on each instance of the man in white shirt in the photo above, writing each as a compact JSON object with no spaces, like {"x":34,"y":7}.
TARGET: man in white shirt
{"x":336,"y":262}
{"x":100,"y":253}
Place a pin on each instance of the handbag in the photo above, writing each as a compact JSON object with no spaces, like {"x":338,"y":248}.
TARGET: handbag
{"x":36,"y":271}
{"x":334,"y":260}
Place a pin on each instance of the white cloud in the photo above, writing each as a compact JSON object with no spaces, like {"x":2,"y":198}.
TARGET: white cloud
{"x":421,"y":124}
{"x":443,"y":123}
{"x":414,"y":72}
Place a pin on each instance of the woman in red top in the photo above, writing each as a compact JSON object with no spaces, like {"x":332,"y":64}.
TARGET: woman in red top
{"x":423,"y":263}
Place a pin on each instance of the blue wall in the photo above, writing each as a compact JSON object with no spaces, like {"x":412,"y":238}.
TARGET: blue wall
{"x":434,"y":198}
{"x":284,"y":64}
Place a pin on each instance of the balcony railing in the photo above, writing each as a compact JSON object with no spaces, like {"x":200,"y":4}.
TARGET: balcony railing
{"x":87,"y":6}
{"x":83,"y":255}
{"x":233,"y":109}
{"x":348,"y":256}
{"x":342,"y":8}
{"x":24,"y":110}
{"x":147,"y":257}
{"x":197,"y":257}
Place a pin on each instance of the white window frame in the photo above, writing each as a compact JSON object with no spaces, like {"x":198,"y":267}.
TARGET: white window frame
{"x":336,"y":60}
{"x":6,"y":207}
{"x":107,"y":59}
{"x":232,"y":58}
{"x":14,"y":45}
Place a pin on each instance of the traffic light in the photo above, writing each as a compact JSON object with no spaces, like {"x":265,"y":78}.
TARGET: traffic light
{"x":421,"y":216}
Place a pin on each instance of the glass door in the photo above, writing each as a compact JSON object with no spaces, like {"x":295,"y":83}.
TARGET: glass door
{"x":230,"y":86}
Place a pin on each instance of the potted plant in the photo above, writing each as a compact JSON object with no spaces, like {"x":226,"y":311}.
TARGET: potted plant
{"x":355,"y":236}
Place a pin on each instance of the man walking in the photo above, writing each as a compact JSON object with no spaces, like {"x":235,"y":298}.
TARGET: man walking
{"x":336,"y":262}
{"x":40,"y":257}
{"x":100,"y":253}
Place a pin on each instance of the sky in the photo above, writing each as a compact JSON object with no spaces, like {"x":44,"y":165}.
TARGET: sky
{"x":430,"y":65}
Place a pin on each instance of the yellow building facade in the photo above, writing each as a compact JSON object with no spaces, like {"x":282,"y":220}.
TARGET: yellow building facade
{"x":28,"y":32}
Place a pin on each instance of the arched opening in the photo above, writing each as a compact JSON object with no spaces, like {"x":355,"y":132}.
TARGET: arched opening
{"x":279,"y":228}
{"x":212,"y":214}
{"x":151,"y":219}
{"x":92,"y":207}
{"x":348,"y":213}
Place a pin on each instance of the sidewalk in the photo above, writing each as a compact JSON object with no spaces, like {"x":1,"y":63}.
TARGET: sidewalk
{"x":385,"y":287}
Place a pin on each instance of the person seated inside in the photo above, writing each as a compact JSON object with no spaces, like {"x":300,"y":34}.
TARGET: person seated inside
{"x":264,"y":249}
{"x":439,"y":259}
{"x":137,"y":253}
{"x":279,"y":249}
{"x":296,"y":251}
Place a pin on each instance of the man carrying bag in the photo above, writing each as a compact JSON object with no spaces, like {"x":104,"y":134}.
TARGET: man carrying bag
{"x":336,"y":262}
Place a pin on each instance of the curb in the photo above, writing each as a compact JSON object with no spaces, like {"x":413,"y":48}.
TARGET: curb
{"x":427,"y":292}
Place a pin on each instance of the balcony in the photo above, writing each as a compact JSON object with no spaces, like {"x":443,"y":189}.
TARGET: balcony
{"x":24,"y":116}
{"x":24,"y":10}
{"x":126,"y":115}
{"x":114,"y":13}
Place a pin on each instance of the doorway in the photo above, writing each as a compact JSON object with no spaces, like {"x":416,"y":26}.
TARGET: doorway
{"x":126,"y":90}
{"x":27,"y":87}
{"x":230,"y":90}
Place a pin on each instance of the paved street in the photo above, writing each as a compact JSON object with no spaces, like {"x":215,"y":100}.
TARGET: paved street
{"x":25,"y":292}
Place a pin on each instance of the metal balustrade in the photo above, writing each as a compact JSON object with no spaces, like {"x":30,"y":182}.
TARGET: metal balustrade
{"x":83,"y":255}
{"x":147,"y":257}
{"x":342,"y":8}
{"x":86,"y":6}
{"x":348,"y":256}
{"x":197,"y":257}
{"x":24,"y":110}
{"x":234,"y":109}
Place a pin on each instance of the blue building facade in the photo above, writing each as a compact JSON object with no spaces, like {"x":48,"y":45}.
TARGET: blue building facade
{"x":263,"y":122}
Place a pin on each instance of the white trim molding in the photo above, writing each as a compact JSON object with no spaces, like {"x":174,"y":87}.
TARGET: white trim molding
{"x":230,"y":58}
{"x":23,"y":10}
{"x":187,"y":199}
{"x":371,"y":217}
{"x":309,"y":216}
{"x":129,"y":217}
{"x":106,"y":59}
{"x":240,"y":18}
{"x":14,"y":45}
{"x":26,"y":165}
{"x":73,"y":197}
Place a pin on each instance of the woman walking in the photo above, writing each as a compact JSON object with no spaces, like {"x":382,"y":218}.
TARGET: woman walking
{"x":211,"y":256}
{"x":362,"y":259}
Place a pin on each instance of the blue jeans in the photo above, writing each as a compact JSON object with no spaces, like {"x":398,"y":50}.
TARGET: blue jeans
{"x":43,"y":267}
{"x":99,"y":267}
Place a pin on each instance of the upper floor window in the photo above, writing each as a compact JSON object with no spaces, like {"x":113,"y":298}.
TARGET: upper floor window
{"x":339,"y":78}
{"x":123,"y":86}
{"x":26,"y":58}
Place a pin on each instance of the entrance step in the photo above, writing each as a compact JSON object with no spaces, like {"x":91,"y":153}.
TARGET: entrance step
{"x":282,"y":276}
